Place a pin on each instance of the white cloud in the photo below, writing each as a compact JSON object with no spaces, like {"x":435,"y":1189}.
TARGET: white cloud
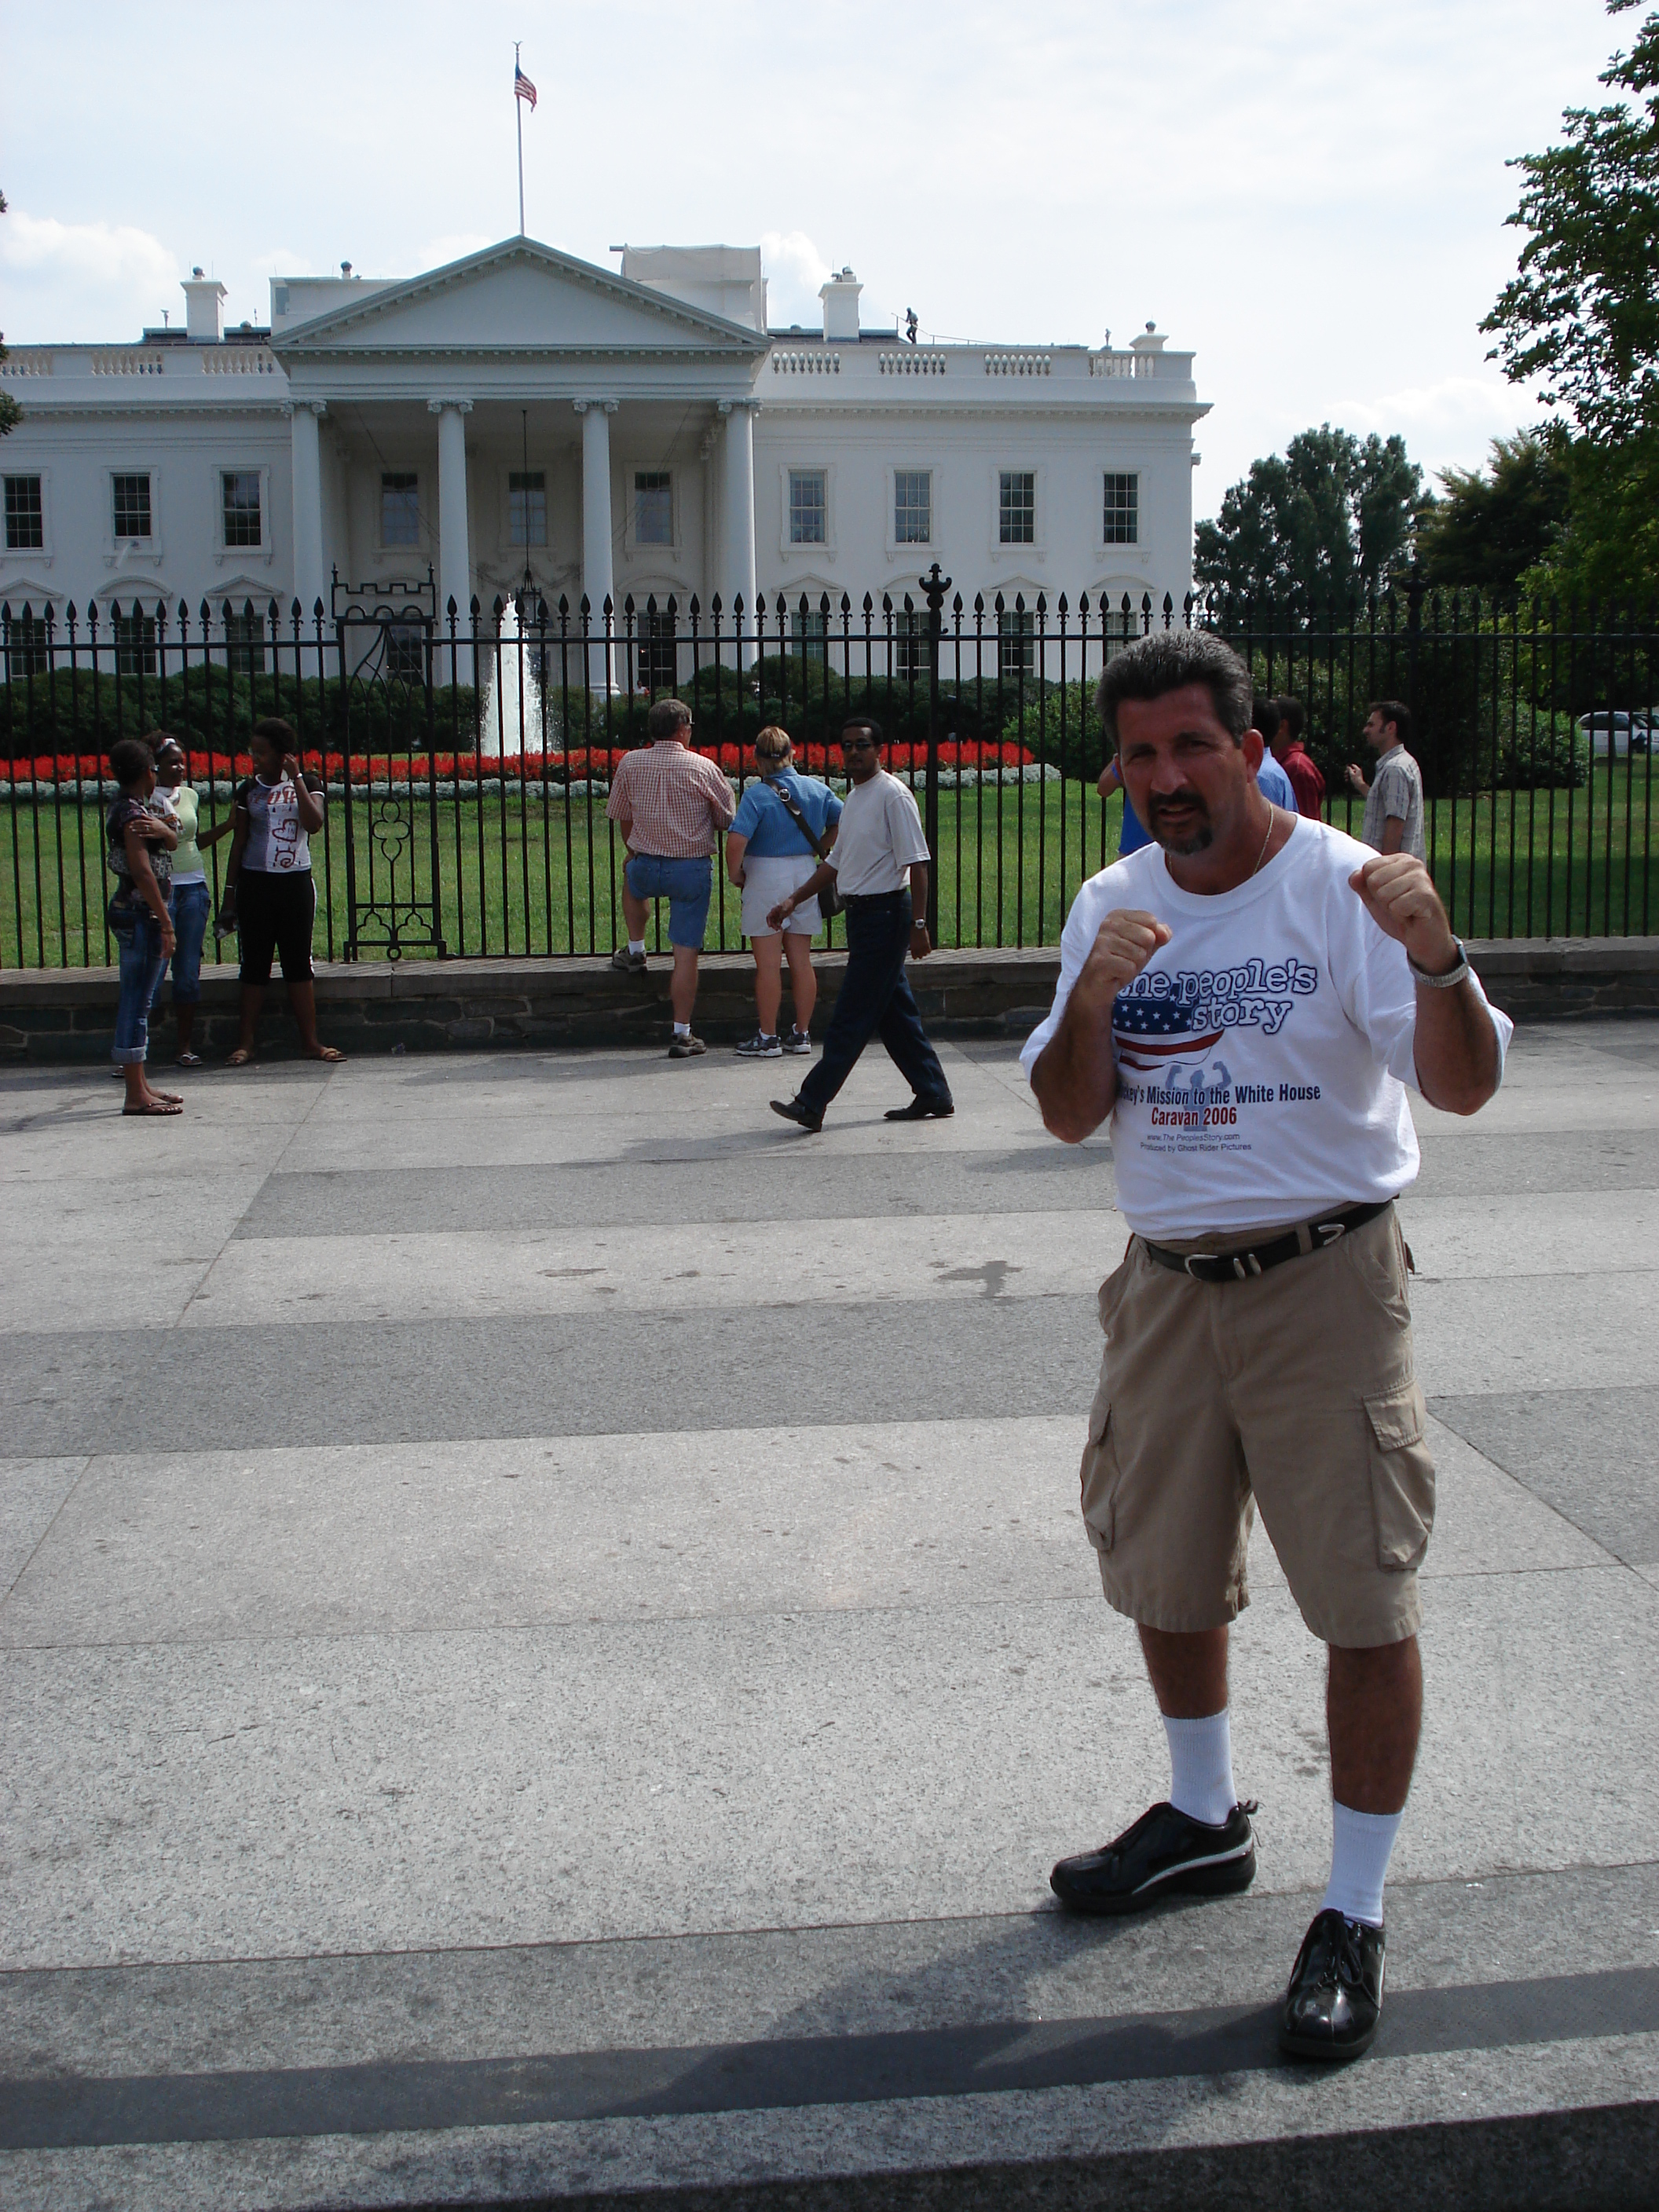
{"x":85,"y":280}
{"x":1447,"y":424}
{"x":794,"y":270}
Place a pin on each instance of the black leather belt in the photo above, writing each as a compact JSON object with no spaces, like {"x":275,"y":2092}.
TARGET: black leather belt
{"x":1239,"y":1267}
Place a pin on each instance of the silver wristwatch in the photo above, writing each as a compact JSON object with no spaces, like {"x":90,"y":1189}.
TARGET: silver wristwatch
{"x":1460,"y":974}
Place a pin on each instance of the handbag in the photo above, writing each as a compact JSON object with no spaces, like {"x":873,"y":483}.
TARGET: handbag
{"x":829,"y":899}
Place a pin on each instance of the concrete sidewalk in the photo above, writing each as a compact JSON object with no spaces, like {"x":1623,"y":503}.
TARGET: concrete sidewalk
{"x":548,"y":1651}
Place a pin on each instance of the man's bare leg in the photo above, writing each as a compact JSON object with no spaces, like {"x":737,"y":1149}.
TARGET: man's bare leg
{"x":683,"y":985}
{"x":1374,"y":1712}
{"x":1189,"y":1673}
{"x":637,"y":913}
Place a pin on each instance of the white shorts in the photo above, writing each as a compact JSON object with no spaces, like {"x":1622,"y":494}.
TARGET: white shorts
{"x":765,"y":883}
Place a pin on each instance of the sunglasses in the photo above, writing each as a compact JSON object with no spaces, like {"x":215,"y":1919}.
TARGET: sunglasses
{"x":858,"y":744}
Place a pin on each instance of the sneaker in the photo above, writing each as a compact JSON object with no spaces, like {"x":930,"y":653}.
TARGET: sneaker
{"x":1165,"y":1851}
{"x":686,"y":1047}
{"x":626,"y":963}
{"x":761,"y":1047}
{"x":798,"y":1042}
{"x":1335,"y":2002}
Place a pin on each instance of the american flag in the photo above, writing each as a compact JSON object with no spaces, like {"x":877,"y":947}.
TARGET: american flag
{"x":522,"y":85}
{"x":1151,"y":1034}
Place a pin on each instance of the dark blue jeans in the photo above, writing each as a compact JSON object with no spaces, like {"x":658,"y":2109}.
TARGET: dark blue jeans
{"x":138,"y":948}
{"x":876,"y":1000}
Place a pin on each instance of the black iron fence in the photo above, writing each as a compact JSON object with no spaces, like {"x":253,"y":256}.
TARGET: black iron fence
{"x":467,"y":760}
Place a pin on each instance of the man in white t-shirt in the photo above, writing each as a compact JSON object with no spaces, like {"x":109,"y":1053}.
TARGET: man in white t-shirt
{"x":880,"y":866}
{"x":1247,"y":1000}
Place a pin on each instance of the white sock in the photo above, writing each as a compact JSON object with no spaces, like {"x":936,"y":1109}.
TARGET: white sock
{"x":1360,"y":1844}
{"x":636,"y":945}
{"x":681,"y":1029}
{"x":1201,"y":1767}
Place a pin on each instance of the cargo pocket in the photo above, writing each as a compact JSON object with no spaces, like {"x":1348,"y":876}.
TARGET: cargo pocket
{"x":1099,"y":1475}
{"x":1402,"y":1476}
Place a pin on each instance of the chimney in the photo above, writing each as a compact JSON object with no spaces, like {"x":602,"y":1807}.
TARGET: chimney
{"x":1151,"y":340}
{"x":841,"y":305}
{"x":203,"y":295}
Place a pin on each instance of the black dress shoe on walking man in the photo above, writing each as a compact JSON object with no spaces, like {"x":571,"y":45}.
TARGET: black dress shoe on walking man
{"x":1335,"y":2001}
{"x":1163,"y":1854}
{"x":922,"y":1109}
{"x":802,"y":1116}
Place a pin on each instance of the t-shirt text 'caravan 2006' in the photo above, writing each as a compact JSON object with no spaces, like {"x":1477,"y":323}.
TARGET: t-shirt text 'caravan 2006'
{"x":1262,"y":1054}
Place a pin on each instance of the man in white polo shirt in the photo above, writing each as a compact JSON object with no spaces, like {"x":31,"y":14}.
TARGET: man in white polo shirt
{"x":880,"y":865}
{"x":1247,"y":998}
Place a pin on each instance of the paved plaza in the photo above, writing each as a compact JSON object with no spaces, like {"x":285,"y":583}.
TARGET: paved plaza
{"x":548,"y":1651}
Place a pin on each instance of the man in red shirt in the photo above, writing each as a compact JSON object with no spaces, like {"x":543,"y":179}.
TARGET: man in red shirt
{"x":671,"y":805}
{"x":1306,"y":781}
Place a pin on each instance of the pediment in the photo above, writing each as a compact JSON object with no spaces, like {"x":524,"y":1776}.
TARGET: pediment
{"x":515,"y":298}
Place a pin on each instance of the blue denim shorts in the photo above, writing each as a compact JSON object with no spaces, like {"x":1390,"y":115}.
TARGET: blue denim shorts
{"x":686,"y":884}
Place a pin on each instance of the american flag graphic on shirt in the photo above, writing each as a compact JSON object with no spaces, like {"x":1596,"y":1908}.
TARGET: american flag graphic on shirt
{"x":1152,"y":1034}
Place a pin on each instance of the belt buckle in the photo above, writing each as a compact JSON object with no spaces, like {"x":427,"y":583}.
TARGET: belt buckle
{"x":1328,"y":1232}
{"x":1207,"y":1257}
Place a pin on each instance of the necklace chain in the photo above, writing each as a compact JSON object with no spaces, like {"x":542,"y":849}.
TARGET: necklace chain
{"x":1266,"y":841}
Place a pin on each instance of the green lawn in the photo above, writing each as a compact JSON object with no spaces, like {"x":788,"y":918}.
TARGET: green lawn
{"x":514,"y":873}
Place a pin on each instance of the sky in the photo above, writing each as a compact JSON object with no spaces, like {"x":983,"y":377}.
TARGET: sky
{"x":1310,"y":194}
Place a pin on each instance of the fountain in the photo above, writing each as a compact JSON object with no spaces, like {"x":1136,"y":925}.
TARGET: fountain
{"x":513,"y":720}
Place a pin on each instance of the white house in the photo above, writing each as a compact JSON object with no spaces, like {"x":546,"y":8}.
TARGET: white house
{"x":524,"y":416}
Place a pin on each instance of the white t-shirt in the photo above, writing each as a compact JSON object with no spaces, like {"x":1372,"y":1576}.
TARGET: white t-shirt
{"x":878,"y":837}
{"x":1262,"y":1054}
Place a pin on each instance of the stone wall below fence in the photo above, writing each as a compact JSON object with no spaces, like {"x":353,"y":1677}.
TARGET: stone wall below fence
{"x":55,"y":1016}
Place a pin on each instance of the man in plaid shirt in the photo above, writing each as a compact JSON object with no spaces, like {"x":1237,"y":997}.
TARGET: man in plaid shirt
{"x":672,"y":805}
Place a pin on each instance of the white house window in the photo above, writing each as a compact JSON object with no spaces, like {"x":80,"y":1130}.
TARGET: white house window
{"x":659,"y":667}
{"x":1122,"y":512}
{"x":26,"y":647}
{"x":913,"y":507}
{"x":135,"y":640}
{"x":245,"y":643}
{"x":131,"y":495}
{"x":1016,"y":641}
{"x":405,"y":649}
{"x":809,"y":506}
{"x":909,"y":646}
{"x":808,"y":632}
{"x":526,"y":506}
{"x":400,"y":510}
{"x":25,"y":516}
{"x":241,"y":507}
{"x":1017,"y":506}
{"x":654,"y":507}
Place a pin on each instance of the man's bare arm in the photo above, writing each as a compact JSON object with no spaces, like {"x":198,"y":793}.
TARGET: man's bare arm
{"x":1075,"y":1078}
{"x":1458,"y":1066}
{"x":1394,"y":834}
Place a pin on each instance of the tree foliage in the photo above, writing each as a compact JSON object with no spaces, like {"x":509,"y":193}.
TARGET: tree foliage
{"x":1491,"y":526}
{"x":1583,"y":310}
{"x":10,"y":413}
{"x":1323,"y":521}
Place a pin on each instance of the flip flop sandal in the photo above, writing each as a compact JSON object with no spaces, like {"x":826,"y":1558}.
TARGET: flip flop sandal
{"x":158,"y":1107}
{"x":189,"y":1060}
{"x":238,"y":1057}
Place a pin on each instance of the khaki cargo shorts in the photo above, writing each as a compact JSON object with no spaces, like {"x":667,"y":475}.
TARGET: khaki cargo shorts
{"x":1293,"y":1391}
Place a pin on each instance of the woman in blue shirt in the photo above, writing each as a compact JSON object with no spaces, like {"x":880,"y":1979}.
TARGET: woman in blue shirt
{"x":768,"y":855}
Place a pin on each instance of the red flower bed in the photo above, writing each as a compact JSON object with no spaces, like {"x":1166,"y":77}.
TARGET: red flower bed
{"x":596,"y":761}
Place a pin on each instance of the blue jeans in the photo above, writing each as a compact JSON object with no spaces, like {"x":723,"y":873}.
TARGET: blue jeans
{"x":686,"y":884}
{"x":876,"y":1000}
{"x":139,"y":943}
{"x":192,"y":905}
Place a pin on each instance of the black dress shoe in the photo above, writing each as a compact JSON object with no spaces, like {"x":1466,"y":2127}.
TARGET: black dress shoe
{"x":922,"y":1109}
{"x":1163,"y":1852}
{"x":1335,"y":1998}
{"x":802,"y":1116}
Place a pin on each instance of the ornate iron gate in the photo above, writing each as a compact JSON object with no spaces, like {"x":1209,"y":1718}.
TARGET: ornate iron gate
{"x":385,"y":638}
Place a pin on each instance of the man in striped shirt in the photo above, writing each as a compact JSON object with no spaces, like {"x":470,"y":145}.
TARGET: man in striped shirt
{"x":672,"y":805}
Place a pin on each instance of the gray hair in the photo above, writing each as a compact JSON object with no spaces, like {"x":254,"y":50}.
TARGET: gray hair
{"x":665,"y":717}
{"x":1168,"y":660}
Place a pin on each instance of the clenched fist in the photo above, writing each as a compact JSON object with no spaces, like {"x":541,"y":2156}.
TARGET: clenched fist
{"x":1398,"y":893}
{"x":1124,"y":943}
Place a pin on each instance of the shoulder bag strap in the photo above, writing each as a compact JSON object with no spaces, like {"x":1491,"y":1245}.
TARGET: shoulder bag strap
{"x":791,"y":807}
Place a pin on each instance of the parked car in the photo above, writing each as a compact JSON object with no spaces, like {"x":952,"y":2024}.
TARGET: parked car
{"x":1618,"y":730}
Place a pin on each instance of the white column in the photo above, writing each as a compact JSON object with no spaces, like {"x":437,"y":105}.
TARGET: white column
{"x":310,"y":579}
{"x":454,"y":554}
{"x":598,"y":585}
{"x":738,"y":509}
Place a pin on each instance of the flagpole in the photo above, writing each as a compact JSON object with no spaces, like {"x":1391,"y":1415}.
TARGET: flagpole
{"x":517,"y":117}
